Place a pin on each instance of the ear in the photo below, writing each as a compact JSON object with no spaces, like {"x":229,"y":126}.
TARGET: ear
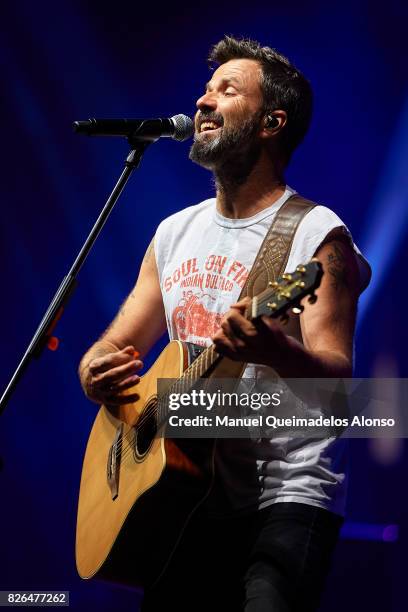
{"x":273,"y":123}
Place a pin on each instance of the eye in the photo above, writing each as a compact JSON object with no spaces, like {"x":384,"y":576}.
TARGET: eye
{"x":229,"y":92}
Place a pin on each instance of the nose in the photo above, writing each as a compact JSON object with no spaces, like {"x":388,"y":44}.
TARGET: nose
{"x":207,"y":101}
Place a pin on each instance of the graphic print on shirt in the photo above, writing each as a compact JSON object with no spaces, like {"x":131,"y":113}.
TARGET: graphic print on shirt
{"x":191,"y":318}
{"x":198,"y":289}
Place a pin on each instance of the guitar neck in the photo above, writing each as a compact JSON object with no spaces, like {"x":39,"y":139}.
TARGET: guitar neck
{"x":201,"y":367}
{"x":274,"y":301}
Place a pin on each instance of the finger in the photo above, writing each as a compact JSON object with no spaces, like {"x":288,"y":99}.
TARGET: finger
{"x":102,"y":364}
{"x":223,"y":343}
{"x":226,"y":330}
{"x":242,"y":304}
{"x":129,"y":382}
{"x":239,"y":330}
{"x":109,"y":361}
{"x":242,"y":328}
{"x":117,"y":374}
{"x":235,"y":341}
{"x":132,"y":351}
{"x":114,"y":394}
{"x":128,"y":349}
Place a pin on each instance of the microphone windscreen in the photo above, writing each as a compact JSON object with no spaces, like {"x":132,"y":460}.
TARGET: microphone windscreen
{"x":183,"y":127}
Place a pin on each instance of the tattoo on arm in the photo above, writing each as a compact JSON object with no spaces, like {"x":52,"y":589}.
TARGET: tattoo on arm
{"x":337,"y":267}
{"x":123,"y":307}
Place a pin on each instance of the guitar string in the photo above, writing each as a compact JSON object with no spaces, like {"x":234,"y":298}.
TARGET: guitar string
{"x":123,"y":450}
{"x":190,"y":375}
{"x":190,"y":372}
{"x":158,"y":407}
{"x":131,"y":434}
{"x":125,"y":446}
{"x":148,"y":413}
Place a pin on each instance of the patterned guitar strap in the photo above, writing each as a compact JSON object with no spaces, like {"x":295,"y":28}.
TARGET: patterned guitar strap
{"x":269,"y":264}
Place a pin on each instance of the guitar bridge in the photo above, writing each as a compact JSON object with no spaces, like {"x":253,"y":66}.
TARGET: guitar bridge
{"x":113,"y":467}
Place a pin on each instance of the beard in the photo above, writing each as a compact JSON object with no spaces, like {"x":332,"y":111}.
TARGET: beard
{"x":232,"y":153}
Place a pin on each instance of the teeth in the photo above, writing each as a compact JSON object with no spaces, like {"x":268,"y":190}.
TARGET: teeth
{"x":208,"y":125}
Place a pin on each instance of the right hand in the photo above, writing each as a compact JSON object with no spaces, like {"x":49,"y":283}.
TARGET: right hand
{"x":111,"y":374}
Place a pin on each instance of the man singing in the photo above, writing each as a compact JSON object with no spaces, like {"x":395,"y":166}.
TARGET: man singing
{"x":264,"y":540}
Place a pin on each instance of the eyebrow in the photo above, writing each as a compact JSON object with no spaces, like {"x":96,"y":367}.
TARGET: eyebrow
{"x":224,"y":80}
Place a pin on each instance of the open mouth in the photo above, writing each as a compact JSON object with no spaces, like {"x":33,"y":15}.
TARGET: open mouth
{"x":209,"y":126}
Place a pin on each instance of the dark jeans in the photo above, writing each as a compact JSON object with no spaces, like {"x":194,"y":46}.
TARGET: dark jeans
{"x":274,"y":560}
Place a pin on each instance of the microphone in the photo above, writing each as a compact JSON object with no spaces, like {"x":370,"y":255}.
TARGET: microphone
{"x":179,"y":127}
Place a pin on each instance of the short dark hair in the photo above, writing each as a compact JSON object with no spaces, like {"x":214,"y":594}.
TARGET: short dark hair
{"x":283,"y":85}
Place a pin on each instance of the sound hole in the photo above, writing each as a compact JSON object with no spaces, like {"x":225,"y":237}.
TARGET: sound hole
{"x":146,"y":429}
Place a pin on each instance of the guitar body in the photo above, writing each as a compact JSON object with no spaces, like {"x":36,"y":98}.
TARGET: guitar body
{"x":139,"y":489}
{"x":128,"y":525}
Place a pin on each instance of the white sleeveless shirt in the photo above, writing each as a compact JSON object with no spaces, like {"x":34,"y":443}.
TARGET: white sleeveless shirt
{"x":203,"y":260}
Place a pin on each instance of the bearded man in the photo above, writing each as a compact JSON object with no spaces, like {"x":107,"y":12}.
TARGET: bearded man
{"x":264,"y":540}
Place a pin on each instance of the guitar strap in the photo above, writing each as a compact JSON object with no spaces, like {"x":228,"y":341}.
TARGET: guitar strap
{"x":273,"y":254}
{"x":269,"y":264}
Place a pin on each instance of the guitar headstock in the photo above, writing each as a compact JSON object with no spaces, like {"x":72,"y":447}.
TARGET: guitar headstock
{"x":288,"y":291}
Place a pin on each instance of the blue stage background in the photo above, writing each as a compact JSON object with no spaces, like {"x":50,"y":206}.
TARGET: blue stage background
{"x":72,"y":60}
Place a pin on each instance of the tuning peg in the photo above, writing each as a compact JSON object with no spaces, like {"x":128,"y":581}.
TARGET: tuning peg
{"x":301,"y":269}
{"x":273,"y":284}
{"x":312,"y":298}
{"x":300,"y":284}
{"x":297,"y":310}
{"x":272,"y":306}
{"x":287,"y":276}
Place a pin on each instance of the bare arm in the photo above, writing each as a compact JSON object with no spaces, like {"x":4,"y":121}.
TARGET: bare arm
{"x":110,"y":365}
{"x":327,"y":326}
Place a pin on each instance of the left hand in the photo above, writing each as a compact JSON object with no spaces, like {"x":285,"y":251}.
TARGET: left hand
{"x":259,"y":341}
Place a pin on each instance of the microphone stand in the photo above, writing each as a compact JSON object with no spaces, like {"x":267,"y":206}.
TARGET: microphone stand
{"x":43,"y":336}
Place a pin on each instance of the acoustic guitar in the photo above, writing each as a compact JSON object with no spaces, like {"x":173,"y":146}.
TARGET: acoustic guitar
{"x":138,"y":488}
